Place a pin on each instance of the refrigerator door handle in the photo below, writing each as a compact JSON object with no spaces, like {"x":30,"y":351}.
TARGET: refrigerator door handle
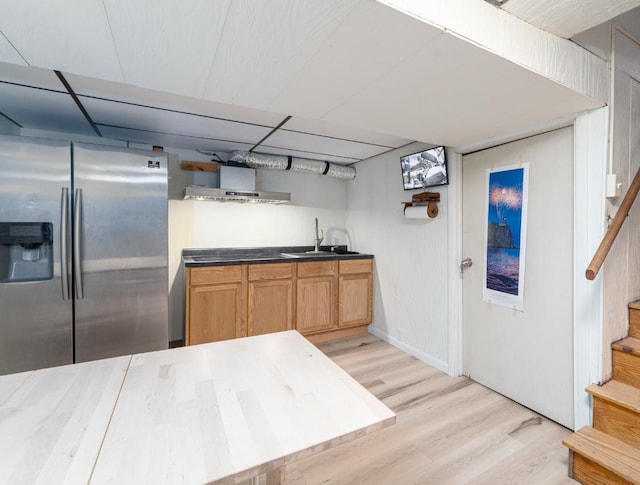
{"x":64,"y":243}
{"x":77,"y":239}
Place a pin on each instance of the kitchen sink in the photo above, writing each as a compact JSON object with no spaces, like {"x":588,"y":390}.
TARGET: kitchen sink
{"x":315,"y":254}
{"x":308,"y":254}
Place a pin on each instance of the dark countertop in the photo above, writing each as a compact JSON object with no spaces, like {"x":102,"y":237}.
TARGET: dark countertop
{"x":276,"y":254}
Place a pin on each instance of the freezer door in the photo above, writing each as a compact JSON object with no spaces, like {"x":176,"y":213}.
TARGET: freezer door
{"x":35,"y":312}
{"x":120,"y":251}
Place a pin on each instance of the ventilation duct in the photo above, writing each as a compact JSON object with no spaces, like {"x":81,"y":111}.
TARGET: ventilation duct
{"x":281,"y":162}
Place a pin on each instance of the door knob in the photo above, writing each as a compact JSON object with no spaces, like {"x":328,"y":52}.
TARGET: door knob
{"x":465,"y":263}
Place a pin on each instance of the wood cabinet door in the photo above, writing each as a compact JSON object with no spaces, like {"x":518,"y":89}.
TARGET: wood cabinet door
{"x":216,"y":312}
{"x":316,"y":304}
{"x":270,"y":306}
{"x":354,"y":307}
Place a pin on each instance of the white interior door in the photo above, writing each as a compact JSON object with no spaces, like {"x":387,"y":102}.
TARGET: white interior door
{"x":525,"y":355}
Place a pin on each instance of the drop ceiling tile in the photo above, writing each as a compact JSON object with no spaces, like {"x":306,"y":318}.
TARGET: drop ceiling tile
{"x":8,"y":53}
{"x":458,"y":97}
{"x":371,"y":41}
{"x":170,"y":140}
{"x":66,"y":35}
{"x":153,"y":119}
{"x":322,"y":144}
{"x":167,"y":45}
{"x":266,"y":43}
{"x":97,"y":88}
{"x":273,"y":150}
{"x":42,"y":110}
{"x":31,"y":76}
{"x":344,"y":132}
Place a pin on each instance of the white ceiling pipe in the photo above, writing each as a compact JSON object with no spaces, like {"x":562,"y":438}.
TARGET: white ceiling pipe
{"x":281,"y":162}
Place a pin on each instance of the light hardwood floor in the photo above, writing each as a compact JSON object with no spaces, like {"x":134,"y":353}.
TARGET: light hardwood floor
{"x":448,"y":430}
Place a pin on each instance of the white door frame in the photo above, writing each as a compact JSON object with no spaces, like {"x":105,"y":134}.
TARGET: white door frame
{"x":590,"y":165}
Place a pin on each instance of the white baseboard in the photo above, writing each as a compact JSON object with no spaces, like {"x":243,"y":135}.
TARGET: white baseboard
{"x":418,"y":354}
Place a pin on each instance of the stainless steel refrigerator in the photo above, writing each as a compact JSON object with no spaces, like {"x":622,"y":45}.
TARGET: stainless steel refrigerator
{"x":83,"y":252}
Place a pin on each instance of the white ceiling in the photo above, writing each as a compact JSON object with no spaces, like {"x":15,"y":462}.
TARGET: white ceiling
{"x":357,"y":77}
{"x":567,"y":18}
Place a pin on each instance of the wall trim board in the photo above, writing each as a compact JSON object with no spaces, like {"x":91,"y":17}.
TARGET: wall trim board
{"x":418,"y":354}
{"x":455,"y":256}
{"x":590,"y":163}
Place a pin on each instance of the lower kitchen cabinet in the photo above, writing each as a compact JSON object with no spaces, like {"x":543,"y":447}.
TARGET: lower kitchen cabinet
{"x":270,"y":307}
{"x":216,"y":303}
{"x":354,"y":307}
{"x":321,"y":299}
{"x":355,"y":290}
{"x":315,"y":309}
{"x":216,"y":312}
{"x":316,"y":296}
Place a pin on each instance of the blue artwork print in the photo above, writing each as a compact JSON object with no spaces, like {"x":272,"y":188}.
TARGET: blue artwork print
{"x":504,"y":231}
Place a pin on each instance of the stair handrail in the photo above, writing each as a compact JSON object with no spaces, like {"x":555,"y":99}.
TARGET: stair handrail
{"x":611,"y":234}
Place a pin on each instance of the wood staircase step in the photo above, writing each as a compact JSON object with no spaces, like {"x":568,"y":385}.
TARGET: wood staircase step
{"x":597,"y":458}
{"x":629,"y":344}
{"x":626,"y":361}
{"x":616,"y":411}
{"x":618,"y":393}
{"x":634,"y":319}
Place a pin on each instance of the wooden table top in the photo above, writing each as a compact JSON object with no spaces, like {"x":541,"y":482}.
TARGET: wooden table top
{"x":53,"y":421}
{"x":223,"y":411}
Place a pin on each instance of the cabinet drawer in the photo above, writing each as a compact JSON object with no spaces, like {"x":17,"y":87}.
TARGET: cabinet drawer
{"x":317,"y":268}
{"x":271,"y":271}
{"x":353,"y":266}
{"x":215,"y":274}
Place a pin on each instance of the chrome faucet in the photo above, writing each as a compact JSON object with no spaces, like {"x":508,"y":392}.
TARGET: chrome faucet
{"x":319,"y":237}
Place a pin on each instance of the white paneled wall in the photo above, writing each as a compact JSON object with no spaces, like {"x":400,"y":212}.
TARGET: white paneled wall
{"x":622,"y":266}
{"x":410,"y":269}
{"x":621,"y":271}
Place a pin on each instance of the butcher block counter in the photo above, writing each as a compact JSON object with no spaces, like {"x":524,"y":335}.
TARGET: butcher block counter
{"x":235,"y":292}
{"x":221,"y":412}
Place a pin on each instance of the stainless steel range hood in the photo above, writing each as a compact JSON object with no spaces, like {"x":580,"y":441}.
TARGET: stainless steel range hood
{"x":195,"y":192}
{"x":243,"y":181}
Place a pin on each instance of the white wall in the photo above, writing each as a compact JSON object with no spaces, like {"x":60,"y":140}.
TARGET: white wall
{"x":410,"y":267}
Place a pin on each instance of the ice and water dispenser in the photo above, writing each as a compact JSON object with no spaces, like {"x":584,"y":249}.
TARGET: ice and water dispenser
{"x":26,"y":251}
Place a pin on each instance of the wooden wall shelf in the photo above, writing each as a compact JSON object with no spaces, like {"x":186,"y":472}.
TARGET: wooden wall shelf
{"x":429,"y":200}
{"x":200,"y":166}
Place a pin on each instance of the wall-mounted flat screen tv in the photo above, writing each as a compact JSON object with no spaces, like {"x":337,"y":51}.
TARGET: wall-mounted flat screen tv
{"x":427,"y":168}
